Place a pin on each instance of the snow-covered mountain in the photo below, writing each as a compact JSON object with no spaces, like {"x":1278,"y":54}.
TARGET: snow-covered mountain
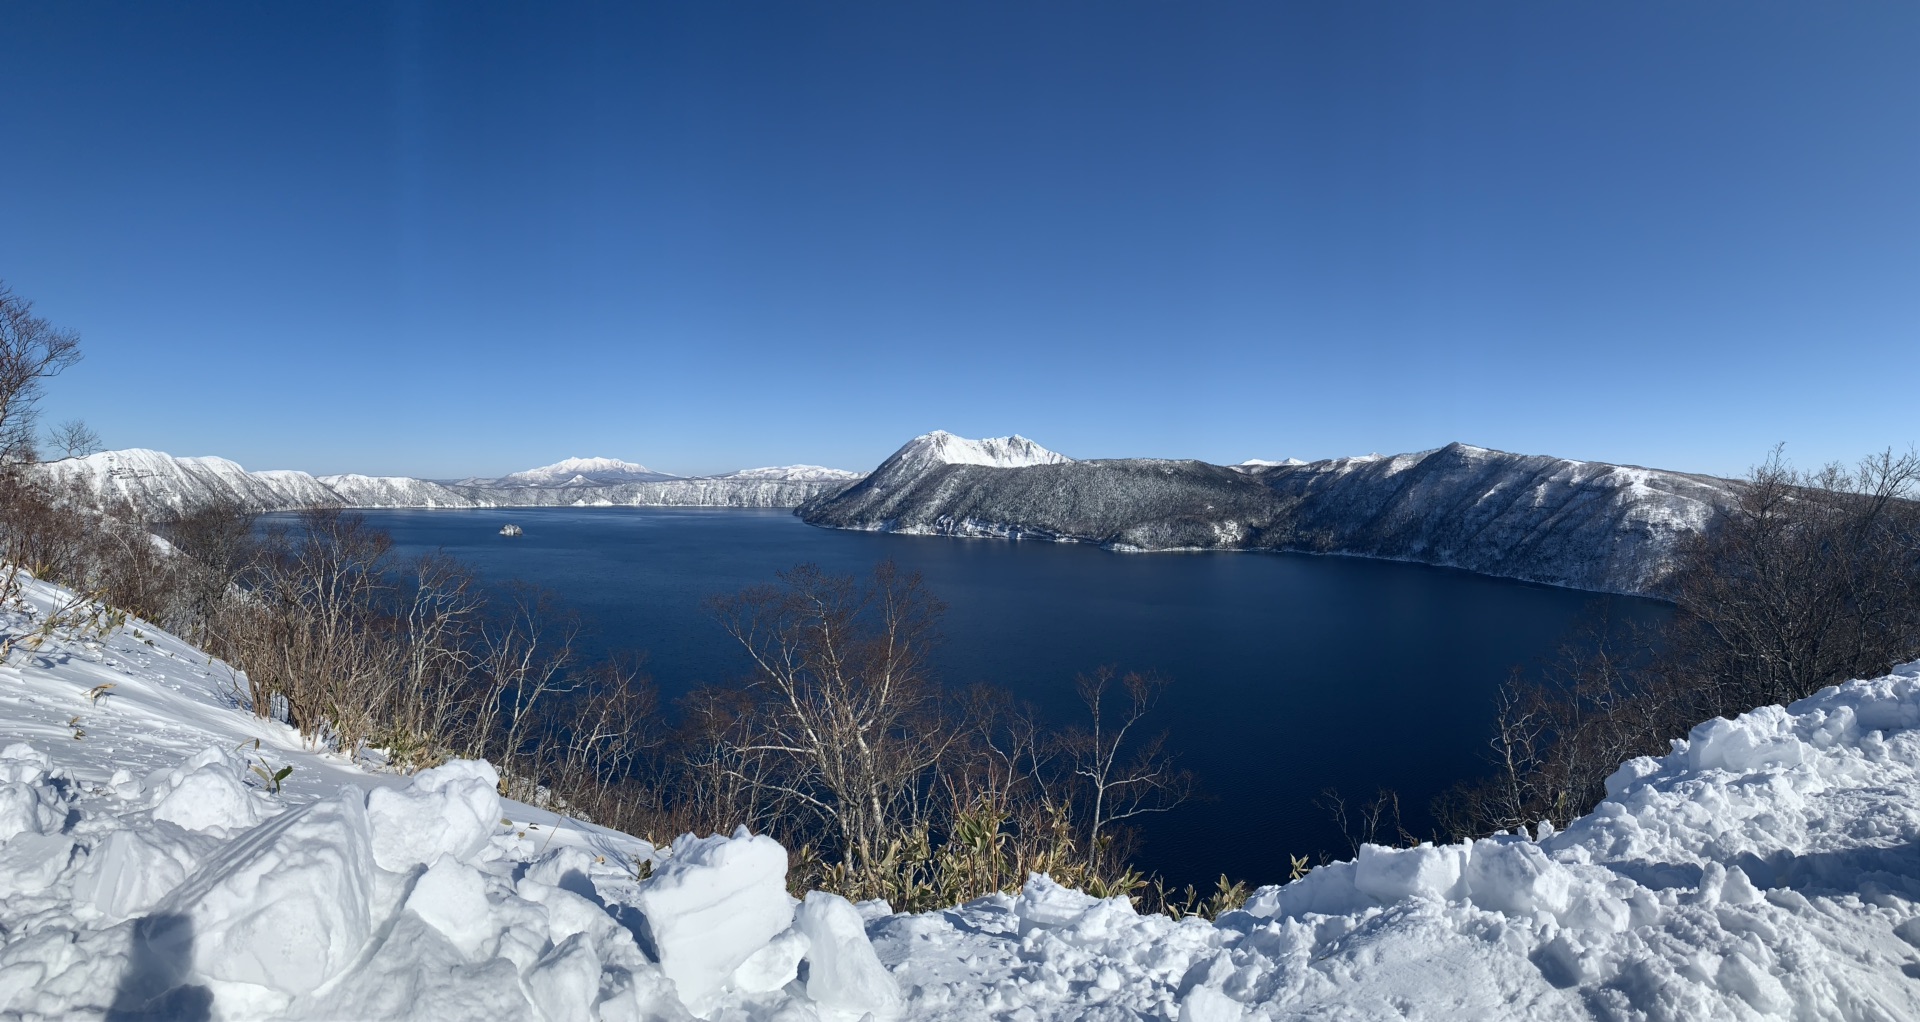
{"x":354,"y":490}
{"x":579,"y":472}
{"x":1768,"y":868}
{"x":1579,"y":524}
{"x":812,"y":473}
{"x":163,"y":485}
{"x":160,"y":483}
{"x":943,"y":448}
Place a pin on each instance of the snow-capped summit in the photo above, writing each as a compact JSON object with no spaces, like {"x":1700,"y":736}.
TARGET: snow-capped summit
{"x":583,"y":472}
{"x":943,"y":448}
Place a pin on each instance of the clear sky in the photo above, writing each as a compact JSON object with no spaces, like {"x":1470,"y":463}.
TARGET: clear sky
{"x":444,"y":239}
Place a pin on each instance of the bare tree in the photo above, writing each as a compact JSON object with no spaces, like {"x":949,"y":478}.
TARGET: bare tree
{"x":220,"y":545}
{"x":848,"y":702}
{"x":323,"y":591}
{"x":437,"y":619}
{"x":73,"y":439}
{"x":727,"y":776}
{"x":1121,"y":772}
{"x":32,"y":351}
{"x":527,"y":650}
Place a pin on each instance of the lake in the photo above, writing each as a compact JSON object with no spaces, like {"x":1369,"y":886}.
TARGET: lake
{"x":1290,"y":673}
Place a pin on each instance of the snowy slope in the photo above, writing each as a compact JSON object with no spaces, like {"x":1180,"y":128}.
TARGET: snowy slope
{"x":355,"y":490}
{"x":1768,"y":868}
{"x":1580,"y":524}
{"x":162,"y":484}
{"x":157,"y":481}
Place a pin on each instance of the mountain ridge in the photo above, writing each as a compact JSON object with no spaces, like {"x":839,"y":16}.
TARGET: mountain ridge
{"x":1580,"y":524}
{"x":1584,"y":525}
{"x":164,"y":485}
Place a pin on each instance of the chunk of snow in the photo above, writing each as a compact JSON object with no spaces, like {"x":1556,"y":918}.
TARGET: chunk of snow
{"x":713,"y":903}
{"x":127,"y":873}
{"x":286,"y":905}
{"x":450,"y":810}
{"x":842,"y":970}
{"x":1514,"y":876}
{"x":1391,"y":874}
{"x":773,"y":966}
{"x":451,"y":897}
{"x":212,"y":797}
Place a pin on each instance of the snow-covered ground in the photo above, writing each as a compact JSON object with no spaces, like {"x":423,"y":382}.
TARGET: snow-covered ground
{"x":1768,"y":868}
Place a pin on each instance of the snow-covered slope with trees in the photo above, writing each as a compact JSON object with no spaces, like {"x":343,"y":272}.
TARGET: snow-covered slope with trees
{"x":1768,"y":868}
{"x":161,"y":484}
{"x":1580,"y":524}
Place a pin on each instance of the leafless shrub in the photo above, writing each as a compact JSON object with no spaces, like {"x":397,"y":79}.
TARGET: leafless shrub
{"x":848,"y":707}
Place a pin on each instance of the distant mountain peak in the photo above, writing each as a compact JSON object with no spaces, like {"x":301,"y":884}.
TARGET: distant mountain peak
{"x":807,"y":472}
{"x":943,"y":448}
{"x":582,"y":472}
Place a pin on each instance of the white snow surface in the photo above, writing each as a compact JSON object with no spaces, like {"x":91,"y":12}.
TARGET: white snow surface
{"x":1769,"y":867}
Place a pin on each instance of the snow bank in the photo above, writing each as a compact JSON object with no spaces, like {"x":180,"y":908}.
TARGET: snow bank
{"x":1769,"y":867}
{"x":374,"y":904}
{"x":147,"y":870}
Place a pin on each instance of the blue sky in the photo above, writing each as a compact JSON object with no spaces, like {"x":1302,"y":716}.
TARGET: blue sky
{"x":468,"y":238}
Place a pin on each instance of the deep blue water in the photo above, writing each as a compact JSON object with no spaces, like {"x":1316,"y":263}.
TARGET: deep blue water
{"x":1291,"y":673}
